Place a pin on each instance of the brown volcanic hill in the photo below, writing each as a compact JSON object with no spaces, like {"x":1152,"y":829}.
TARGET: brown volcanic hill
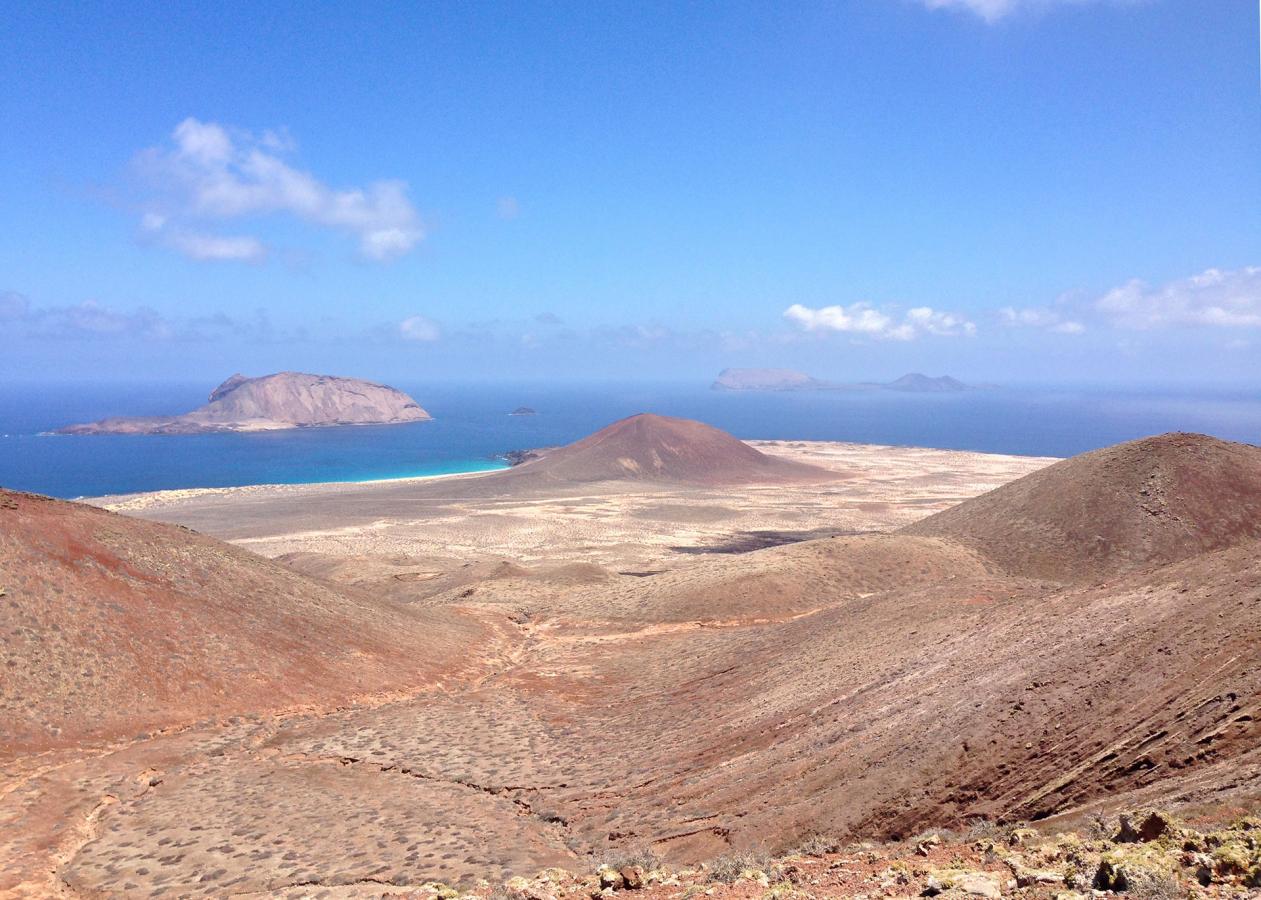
{"x":648,"y":447}
{"x":110,"y":626}
{"x":859,"y":686}
{"x":1145,"y":503}
{"x":283,"y":400}
{"x":931,"y":705}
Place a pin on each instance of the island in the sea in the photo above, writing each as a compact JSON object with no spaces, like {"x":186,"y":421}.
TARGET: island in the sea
{"x":522,"y":411}
{"x":790,"y":380}
{"x":273,"y":402}
{"x":766,"y":380}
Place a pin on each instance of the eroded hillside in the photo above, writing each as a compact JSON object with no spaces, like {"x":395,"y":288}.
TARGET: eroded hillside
{"x":866,"y":687}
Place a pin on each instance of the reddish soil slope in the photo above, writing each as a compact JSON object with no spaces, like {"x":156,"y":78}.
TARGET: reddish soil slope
{"x":649,"y":447}
{"x":111,"y":626}
{"x":864,"y":686}
{"x":1123,"y":508}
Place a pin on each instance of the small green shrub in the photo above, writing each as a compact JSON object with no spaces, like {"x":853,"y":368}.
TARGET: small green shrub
{"x":644,"y":857}
{"x":726,"y":869}
{"x":818,"y":845}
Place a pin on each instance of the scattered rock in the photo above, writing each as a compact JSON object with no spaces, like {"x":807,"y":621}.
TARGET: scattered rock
{"x":756,"y":875}
{"x":610,"y":878}
{"x":1233,"y":858}
{"x":978,"y":884}
{"x":632,"y":877}
{"x":927,"y":844}
{"x":1032,"y":877}
{"x":1022,"y":836}
{"x":1154,"y":826}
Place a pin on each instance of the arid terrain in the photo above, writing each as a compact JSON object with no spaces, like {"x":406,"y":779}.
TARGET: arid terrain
{"x":658,"y":648}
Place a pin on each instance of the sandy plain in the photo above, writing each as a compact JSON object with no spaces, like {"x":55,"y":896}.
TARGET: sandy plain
{"x":591,"y":669}
{"x":447,"y":521}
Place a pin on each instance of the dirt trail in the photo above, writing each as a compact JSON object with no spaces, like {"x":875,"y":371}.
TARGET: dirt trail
{"x":39,"y":798}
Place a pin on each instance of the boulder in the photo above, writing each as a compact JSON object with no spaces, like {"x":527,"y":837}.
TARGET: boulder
{"x":610,"y":878}
{"x":632,"y":876}
{"x":1155,"y":825}
{"x":978,"y":884}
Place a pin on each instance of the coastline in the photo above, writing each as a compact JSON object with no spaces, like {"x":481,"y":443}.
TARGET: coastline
{"x":843,"y":455}
{"x":138,"y":500}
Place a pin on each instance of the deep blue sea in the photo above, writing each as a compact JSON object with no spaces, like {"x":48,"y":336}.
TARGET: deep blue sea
{"x":471,"y":428}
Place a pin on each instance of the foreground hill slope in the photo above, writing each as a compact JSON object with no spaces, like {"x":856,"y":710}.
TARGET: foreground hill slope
{"x":863,"y":685}
{"x":649,"y":447}
{"x":111,"y":626}
{"x":283,"y":400}
{"x":1144,"y":503}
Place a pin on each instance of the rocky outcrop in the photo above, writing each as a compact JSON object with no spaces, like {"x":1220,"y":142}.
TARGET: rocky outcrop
{"x":271,"y":402}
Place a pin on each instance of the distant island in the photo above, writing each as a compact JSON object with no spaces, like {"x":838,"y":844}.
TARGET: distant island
{"x":273,"y":402}
{"x":790,"y":380}
{"x":766,"y":380}
{"x":522,"y":411}
{"x":926,"y":384}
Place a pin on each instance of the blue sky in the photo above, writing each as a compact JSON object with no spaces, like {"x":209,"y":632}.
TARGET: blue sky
{"x":1008,"y":190}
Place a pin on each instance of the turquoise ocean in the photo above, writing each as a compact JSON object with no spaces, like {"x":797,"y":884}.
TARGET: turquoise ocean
{"x":472,"y":428}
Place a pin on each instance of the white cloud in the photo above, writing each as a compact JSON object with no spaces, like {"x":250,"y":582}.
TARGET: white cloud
{"x":211,"y":173}
{"x":636,"y":335}
{"x":858,"y":317}
{"x":1230,"y":299}
{"x":927,"y":320}
{"x":92,"y":320}
{"x":205,"y":142}
{"x":1040,"y":317}
{"x":419,"y":328}
{"x":214,"y":247}
{"x":994,"y":10}
{"x":864,"y":319}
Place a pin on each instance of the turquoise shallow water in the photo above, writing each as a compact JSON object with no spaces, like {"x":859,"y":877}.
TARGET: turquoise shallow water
{"x":472,"y":429}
